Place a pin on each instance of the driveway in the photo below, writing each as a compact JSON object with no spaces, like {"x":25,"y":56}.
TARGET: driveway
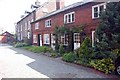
{"x":19,"y":63}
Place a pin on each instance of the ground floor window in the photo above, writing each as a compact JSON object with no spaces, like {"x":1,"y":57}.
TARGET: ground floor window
{"x":93,"y":38}
{"x":64,"y":39}
{"x":21,"y":36}
{"x":34,"y":38}
{"x":46,"y":39}
{"x":28,"y":35}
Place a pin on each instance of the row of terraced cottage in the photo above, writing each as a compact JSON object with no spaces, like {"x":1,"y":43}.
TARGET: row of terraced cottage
{"x":38,"y":27}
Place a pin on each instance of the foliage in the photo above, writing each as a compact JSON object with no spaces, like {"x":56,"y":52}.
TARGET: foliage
{"x":116,"y":52}
{"x":69,"y":57}
{"x":61,"y":49}
{"x":62,"y":30}
{"x":20,"y":45}
{"x":108,"y":31}
{"x":104,"y":65}
{"x":79,"y":29}
{"x":38,"y":49}
{"x":55,"y":54}
{"x":83,"y":62}
{"x":85,"y":51}
{"x":100,"y":53}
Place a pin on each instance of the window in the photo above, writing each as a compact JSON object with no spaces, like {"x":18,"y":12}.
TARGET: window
{"x":76,"y":37}
{"x":69,"y":18}
{"x":37,"y":25}
{"x":97,"y":9}
{"x":25,"y":25}
{"x":48,"y":23}
{"x":21,"y":27}
{"x":34,"y":38}
{"x":21,"y":36}
{"x":46,"y":39}
{"x":93,"y":38}
{"x":64,"y":39}
{"x":28,"y":35}
{"x":29,"y":25}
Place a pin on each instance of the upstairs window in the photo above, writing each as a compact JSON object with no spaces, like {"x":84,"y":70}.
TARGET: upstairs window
{"x":37,"y":25}
{"x":69,"y":17}
{"x":21,"y":27}
{"x":29,"y":25}
{"x":48,"y":23}
{"x":97,"y":9}
{"x":25,"y":25}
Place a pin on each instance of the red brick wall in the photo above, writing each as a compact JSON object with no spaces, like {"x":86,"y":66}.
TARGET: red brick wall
{"x":83,"y":15}
{"x":3,"y":39}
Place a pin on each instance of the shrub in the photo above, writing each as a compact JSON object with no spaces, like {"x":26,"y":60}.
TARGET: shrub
{"x":83,"y":62}
{"x":85,"y":51}
{"x":20,"y":45}
{"x":61,"y":49}
{"x":54,"y":54}
{"x":104,"y":65}
{"x":69,"y":57}
{"x":38,"y":49}
{"x":116,"y":52}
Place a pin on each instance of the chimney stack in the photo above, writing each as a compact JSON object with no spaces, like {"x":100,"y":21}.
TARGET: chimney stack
{"x":59,"y":4}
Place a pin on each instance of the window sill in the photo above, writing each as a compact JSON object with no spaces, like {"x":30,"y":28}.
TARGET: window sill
{"x":69,"y":22}
{"x":96,"y":18}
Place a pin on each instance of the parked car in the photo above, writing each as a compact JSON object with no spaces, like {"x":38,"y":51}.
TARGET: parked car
{"x":117,"y":65}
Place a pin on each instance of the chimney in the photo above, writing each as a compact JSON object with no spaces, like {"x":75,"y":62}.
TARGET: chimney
{"x":59,"y":4}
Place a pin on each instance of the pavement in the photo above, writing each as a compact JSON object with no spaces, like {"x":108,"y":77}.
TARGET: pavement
{"x":19,"y":63}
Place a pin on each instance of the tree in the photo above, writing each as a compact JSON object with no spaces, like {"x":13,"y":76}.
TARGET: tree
{"x":108,"y":32}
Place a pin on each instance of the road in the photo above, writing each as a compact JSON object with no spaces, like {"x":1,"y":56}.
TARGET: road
{"x":19,"y":63}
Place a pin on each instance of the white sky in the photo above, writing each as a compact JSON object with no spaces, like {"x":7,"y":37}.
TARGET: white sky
{"x":11,"y":10}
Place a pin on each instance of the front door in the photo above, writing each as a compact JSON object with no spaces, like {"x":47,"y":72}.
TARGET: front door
{"x":40,"y":38}
{"x":52,"y":42}
{"x":76,"y":40}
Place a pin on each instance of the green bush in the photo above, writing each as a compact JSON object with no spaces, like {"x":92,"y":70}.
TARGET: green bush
{"x":85,"y":51}
{"x":116,"y":52}
{"x":54,"y":54}
{"x":69,"y":57}
{"x":38,"y":49}
{"x":83,"y":62}
{"x":20,"y":45}
{"x":61,"y":49}
{"x":104,"y":65}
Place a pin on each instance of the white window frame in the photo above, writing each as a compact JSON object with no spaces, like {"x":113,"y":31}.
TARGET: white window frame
{"x":46,"y":39}
{"x":25,"y":25}
{"x":34,"y":38}
{"x":66,"y":18}
{"x":93,"y":38}
{"x":37,"y":25}
{"x":48,"y":23}
{"x":21,"y":36}
{"x":21,"y":27}
{"x":98,"y":7}
{"x":28,"y":35}
{"x":64,"y":38}
{"x":29,"y":25}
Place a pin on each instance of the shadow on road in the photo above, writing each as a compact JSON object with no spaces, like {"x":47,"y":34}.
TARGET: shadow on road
{"x":55,"y":68}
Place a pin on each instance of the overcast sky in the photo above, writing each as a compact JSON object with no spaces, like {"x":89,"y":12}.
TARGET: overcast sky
{"x":11,"y":10}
